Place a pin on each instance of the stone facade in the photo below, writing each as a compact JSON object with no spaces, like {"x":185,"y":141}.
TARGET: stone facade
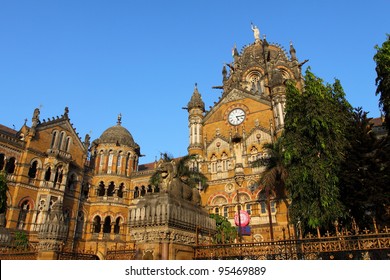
{"x":104,"y":195}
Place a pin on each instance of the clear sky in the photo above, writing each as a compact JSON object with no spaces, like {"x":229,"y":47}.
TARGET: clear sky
{"x":142,"y":58}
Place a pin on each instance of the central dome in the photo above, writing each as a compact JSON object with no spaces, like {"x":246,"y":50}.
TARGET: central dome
{"x":117,"y":135}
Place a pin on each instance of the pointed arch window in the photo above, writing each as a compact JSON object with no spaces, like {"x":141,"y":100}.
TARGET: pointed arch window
{"x":48,"y":174}
{"x":32,"y":172}
{"x":117,"y":225}
{"x":53,"y":139}
{"x":67,"y":144}
{"x":62,"y":135}
{"x":23,"y":211}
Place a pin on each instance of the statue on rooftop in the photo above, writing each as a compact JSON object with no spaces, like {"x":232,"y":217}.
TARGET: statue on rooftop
{"x":256,"y":32}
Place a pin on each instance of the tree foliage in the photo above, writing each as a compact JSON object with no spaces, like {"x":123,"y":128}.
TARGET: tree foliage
{"x":314,"y":142}
{"x":226,"y":233}
{"x":364,"y":180}
{"x":382,"y":60}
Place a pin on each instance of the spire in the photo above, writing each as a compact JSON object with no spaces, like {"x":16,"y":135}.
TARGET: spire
{"x":292,"y":52}
{"x":196,"y":100}
{"x":224,"y":72}
{"x":234,"y":51}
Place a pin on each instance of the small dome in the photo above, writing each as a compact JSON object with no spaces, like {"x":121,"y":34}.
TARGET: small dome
{"x":117,"y":135}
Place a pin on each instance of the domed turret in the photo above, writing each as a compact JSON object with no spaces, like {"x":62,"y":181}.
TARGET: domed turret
{"x":117,"y":135}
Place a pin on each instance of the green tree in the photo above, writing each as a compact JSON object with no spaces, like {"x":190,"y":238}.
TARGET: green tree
{"x":364,"y":184}
{"x":314,"y":143}
{"x":382,"y":60}
{"x":226,"y":233}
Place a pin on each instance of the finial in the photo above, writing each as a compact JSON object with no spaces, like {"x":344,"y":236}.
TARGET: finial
{"x":196,"y":86}
{"x":119,"y":119}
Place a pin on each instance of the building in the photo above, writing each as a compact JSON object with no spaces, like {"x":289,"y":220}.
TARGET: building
{"x":68,"y":192}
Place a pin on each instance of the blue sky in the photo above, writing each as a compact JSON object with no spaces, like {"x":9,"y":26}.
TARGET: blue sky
{"x":142,"y":58}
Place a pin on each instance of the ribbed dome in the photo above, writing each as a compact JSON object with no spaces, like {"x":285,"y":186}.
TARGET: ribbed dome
{"x":117,"y":135}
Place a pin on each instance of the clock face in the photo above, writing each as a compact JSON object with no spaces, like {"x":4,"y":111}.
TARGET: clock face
{"x":236,"y":116}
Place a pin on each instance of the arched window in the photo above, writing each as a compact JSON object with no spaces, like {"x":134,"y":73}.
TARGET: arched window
{"x":225,"y":162}
{"x":10,"y":166}
{"x":102,"y":189}
{"x":111,"y":189}
{"x":216,"y":210}
{"x":53,"y":139}
{"x":48,"y":174}
{"x":23,"y":211}
{"x":119,"y":163}
{"x":107,"y":225}
{"x":97,"y":226}
{"x":67,"y":144}
{"x":59,"y":175}
{"x":143,"y":191}
{"x":120,"y":190}
{"x":248,"y":208}
{"x":117,"y":225}
{"x":213,"y":164}
{"x":32,"y":172}
{"x":149,"y":189}
{"x":110,"y":159}
{"x":136,"y":192}
{"x":156,"y":189}
{"x":2,"y":161}
{"x":62,"y":135}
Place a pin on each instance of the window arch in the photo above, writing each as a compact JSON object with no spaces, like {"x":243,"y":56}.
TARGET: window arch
{"x":97,"y":224}
{"x":67,"y":144}
{"x":10,"y":166}
{"x":119,"y":163}
{"x":213,"y":163}
{"x":32,"y":172}
{"x":117,"y":225}
{"x":53,"y":139}
{"x":23,"y":212}
{"x":111,"y":189}
{"x":62,"y":136}
{"x":107,"y":225}
{"x":136,"y":192}
{"x":120,"y":190}
{"x":48,"y":174}
{"x":110,"y":161}
{"x":101,"y":189}
{"x":59,"y":175}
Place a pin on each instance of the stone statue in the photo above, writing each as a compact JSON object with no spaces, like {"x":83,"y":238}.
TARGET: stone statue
{"x":256,"y":32}
{"x":175,"y":186}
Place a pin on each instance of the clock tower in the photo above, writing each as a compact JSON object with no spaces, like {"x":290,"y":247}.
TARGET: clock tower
{"x":232,"y":134}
